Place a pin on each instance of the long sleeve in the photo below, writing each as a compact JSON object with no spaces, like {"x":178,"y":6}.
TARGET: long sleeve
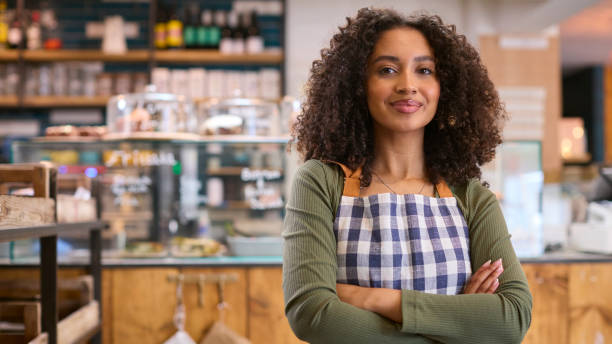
{"x":503,"y":317}
{"x":315,"y":312}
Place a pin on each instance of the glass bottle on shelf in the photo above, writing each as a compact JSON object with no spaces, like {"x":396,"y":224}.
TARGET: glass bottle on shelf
{"x":202,"y":30}
{"x":191,"y":24}
{"x":214,"y":33}
{"x":174,"y":27}
{"x":160,"y":28}
{"x":15,"y":36}
{"x":33,"y":33}
{"x":4,"y":25}
{"x":238,"y":32}
{"x":50,"y":27}
{"x":225,"y":42}
{"x":254,"y":41}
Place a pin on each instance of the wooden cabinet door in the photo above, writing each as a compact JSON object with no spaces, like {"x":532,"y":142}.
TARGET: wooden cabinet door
{"x":550,"y":314}
{"x":140,"y":304}
{"x":590,"y":303}
{"x":267,"y":321}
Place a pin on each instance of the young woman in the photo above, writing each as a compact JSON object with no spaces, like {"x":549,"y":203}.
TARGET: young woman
{"x":390,"y":237}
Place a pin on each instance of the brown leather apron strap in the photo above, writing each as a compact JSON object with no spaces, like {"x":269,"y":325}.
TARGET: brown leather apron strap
{"x":352,"y":181}
{"x":443,"y":190}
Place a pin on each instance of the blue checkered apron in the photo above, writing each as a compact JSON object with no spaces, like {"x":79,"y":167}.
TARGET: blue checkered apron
{"x":402,"y":242}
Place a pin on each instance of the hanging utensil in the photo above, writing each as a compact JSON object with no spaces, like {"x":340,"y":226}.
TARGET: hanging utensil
{"x":180,"y":337}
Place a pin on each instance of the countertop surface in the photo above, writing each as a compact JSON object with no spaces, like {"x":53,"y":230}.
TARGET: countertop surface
{"x":559,"y":257}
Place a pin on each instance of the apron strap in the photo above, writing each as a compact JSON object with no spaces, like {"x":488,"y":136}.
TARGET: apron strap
{"x":443,"y":190}
{"x":352,"y":181}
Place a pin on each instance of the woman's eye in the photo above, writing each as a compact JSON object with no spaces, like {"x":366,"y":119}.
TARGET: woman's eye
{"x":387,"y":70}
{"x":426,"y":71}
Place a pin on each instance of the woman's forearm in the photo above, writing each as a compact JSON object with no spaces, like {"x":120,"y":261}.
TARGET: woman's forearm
{"x":386,"y":302}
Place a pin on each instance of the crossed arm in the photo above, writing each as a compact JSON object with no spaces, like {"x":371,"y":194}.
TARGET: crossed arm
{"x":388,"y":302}
{"x":319,"y":311}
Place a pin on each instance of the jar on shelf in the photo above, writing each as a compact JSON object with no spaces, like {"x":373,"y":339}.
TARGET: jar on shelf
{"x":12,"y":79}
{"x":104,"y":84}
{"x":151,"y":112}
{"x":75,"y":79}
{"x":239,"y":116}
{"x":59,"y":82}
{"x":123,"y":83}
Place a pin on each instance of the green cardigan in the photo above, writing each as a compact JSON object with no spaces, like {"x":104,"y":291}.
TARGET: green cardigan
{"x":317,"y":315}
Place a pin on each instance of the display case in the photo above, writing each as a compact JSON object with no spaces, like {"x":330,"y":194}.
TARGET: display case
{"x":516,"y":177}
{"x":171,"y":198}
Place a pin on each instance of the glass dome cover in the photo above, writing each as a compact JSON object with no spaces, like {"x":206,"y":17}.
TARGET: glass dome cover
{"x":150,"y":112}
{"x":240,"y":116}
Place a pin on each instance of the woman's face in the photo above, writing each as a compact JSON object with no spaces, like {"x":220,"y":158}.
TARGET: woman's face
{"x":402,"y":86}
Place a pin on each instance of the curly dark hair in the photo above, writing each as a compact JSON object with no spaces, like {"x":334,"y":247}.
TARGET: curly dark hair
{"x":335,"y":123}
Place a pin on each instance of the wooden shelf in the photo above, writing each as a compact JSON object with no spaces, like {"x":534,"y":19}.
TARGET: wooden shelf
{"x":167,"y":56}
{"x":18,"y":233}
{"x":54,"y":101}
{"x":84,"y":55}
{"x":8,"y":101}
{"x":215,"y":57}
{"x":64,"y":101}
{"x":578,"y":160}
{"x":9,"y":55}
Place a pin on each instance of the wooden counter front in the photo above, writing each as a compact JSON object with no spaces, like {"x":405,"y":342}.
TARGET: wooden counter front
{"x":572,"y":303}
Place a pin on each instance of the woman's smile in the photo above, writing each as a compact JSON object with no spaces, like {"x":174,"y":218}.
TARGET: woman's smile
{"x":406,"y":106}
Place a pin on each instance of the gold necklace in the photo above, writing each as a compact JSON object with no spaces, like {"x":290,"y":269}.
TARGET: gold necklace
{"x":390,"y":189}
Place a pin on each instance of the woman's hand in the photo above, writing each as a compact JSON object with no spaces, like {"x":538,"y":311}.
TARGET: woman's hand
{"x":485,"y":280}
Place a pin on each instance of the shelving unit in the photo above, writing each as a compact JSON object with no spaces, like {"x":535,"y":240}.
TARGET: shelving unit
{"x":36,"y":217}
{"x":48,"y":268}
{"x":148,"y":56}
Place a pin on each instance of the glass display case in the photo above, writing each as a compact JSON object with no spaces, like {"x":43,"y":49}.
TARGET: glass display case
{"x":517,"y":179}
{"x":173,"y":198}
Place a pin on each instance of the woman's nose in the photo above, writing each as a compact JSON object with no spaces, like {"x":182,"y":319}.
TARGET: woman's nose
{"x":406,"y":85}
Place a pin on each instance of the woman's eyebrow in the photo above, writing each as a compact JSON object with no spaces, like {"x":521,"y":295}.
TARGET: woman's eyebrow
{"x":395,"y":59}
{"x":387,"y":58}
{"x":424,"y":58}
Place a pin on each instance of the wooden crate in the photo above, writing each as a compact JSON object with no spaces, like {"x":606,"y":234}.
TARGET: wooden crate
{"x":24,"y":320}
{"x":73,"y":293}
{"x":75,"y":327}
{"x":78,"y":311}
{"x":23,"y":211}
